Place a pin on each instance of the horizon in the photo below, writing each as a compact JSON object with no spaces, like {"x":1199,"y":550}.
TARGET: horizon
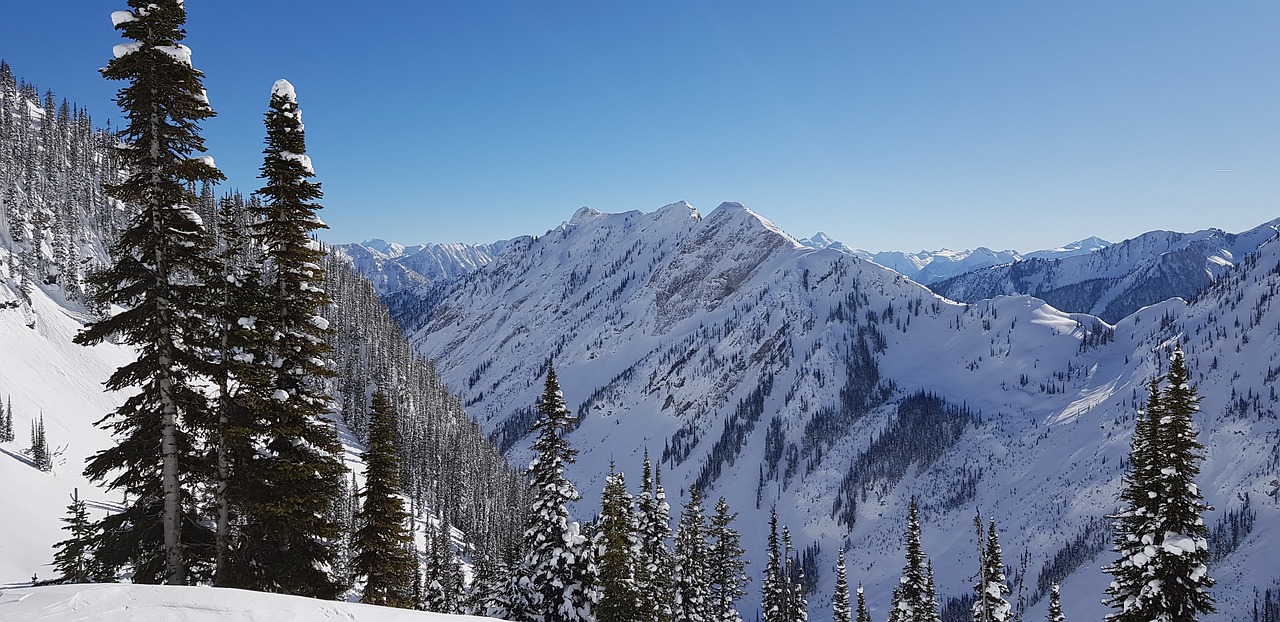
{"x":1022,"y":127}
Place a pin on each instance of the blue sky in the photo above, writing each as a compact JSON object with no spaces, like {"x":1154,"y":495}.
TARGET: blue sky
{"x":889,"y":125}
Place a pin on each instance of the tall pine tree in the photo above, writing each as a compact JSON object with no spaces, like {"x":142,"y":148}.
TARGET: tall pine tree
{"x":1055,"y":604}
{"x":914,"y":600}
{"x":991,"y":604}
{"x":157,"y":277}
{"x":840,"y":611}
{"x":1160,"y":535}
{"x":655,"y":561}
{"x":726,"y":568}
{"x":619,"y":592}
{"x":692,"y":578}
{"x":74,"y":560}
{"x":290,"y":531}
{"x":381,"y":542}
{"x":558,"y":572}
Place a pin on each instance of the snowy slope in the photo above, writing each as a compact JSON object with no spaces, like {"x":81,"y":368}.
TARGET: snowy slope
{"x":763,"y":369}
{"x":1118,"y":279}
{"x":152,"y":603}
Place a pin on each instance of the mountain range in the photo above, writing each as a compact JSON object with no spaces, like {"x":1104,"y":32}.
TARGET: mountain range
{"x":821,"y":383}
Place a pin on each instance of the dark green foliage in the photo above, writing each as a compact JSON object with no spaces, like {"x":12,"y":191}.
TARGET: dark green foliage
{"x":726,"y":568}
{"x":157,"y":276}
{"x":840,"y":611}
{"x":74,"y":557}
{"x":691,"y":577}
{"x":619,"y":591}
{"x":39,"y":451}
{"x":6,"y":423}
{"x":654,"y":560}
{"x":1160,"y":534}
{"x":990,"y":602}
{"x":915,"y":598}
{"x":290,"y":533}
{"x":1055,"y":605}
{"x":382,"y":542}
{"x":863,"y":614}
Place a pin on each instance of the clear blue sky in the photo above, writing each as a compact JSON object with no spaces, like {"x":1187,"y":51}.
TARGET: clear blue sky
{"x":889,"y":125}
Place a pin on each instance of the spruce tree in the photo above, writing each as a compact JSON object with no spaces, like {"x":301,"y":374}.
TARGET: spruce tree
{"x":726,"y":568}
{"x":692,"y":578}
{"x":619,"y":593}
{"x":1055,"y":604}
{"x":1160,"y":534}
{"x":381,"y":540}
{"x":6,"y":423}
{"x":991,"y":604}
{"x":773,"y":595}
{"x":863,"y":614}
{"x":74,"y":560}
{"x":289,"y":529}
{"x":655,"y":564}
{"x":840,"y":611}
{"x":795,"y":603}
{"x":558,"y":572}
{"x":914,"y":599}
{"x":39,"y":450}
{"x":156,"y":276}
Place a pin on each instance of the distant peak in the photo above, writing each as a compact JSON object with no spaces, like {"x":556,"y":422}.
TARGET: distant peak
{"x":679,"y":209}
{"x":584,"y":214}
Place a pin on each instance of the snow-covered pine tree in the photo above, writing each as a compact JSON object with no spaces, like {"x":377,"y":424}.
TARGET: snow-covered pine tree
{"x":6,"y":422}
{"x":914,"y":599}
{"x":1181,"y":536}
{"x":991,"y":604}
{"x":39,"y":450}
{"x":691,"y":576}
{"x":289,"y":529}
{"x":74,"y":560}
{"x":772,"y":592}
{"x":795,"y":602}
{"x":726,"y":568}
{"x":381,"y":540}
{"x":840,"y":610}
{"x":863,"y":614}
{"x":242,"y":374}
{"x":1055,"y":604}
{"x":655,"y":563}
{"x":156,"y":276}
{"x":1161,"y":537}
{"x":619,"y":596}
{"x":558,"y":572}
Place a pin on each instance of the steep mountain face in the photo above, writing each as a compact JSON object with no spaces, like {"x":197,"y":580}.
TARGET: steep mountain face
{"x":1119,"y":279}
{"x":835,"y":389}
{"x":394,"y":267}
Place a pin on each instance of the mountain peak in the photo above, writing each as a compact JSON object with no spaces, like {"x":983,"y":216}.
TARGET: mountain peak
{"x":585,"y":214}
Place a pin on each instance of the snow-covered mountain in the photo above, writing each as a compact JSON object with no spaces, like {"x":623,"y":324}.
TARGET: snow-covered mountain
{"x":394,"y":267}
{"x":833,"y":388}
{"x":929,"y":267}
{"x":1118,"y":279}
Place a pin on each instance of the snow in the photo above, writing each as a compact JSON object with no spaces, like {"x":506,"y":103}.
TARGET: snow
{"x":319,"y":322}
{"x":300,"y":158}
{"x":152,"y":603}
{"x":284,"y":88}
{"x":180,"y":53}
{"x":207,"y":160}
{"x":121,"y":17}
{"x":120,"y":50}
{"x":280,"y":395}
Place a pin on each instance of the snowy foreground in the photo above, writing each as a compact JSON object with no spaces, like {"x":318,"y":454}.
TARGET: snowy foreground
{"x":112,"y":602}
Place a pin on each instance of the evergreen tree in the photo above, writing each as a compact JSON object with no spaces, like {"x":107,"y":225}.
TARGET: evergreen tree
{"x":558,"y":572}
{"x":991,"y":604}
{"x":156,"y":276}
{"x":655,"y":561}
{"x":773,"y":595}
{"x":289,"y":530}
{"x":726,"y":568}
{"x":39,"y":450}
{"x":1055,"y":604}
{"x":914,"y":599}
{"x":692,"y":577}
{"x":840,"y":611}
{"x":1160,"y":535}
{"x":381,"y":541}
{"x":863,"y":614}
{"x":795,"y":605}
{"x":74,"y":561}
{"x":619,"y":595}
{"x":6,"y":423}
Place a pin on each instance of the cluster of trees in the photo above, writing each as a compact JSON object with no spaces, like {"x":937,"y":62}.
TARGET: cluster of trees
{"x":6,"y":423}
{"x":53,"y":164}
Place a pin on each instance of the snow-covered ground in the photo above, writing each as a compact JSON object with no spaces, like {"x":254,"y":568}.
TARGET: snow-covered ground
{"x":153,"y":603}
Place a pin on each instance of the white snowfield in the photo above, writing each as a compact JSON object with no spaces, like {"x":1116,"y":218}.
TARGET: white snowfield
{"x":115,"y":602}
